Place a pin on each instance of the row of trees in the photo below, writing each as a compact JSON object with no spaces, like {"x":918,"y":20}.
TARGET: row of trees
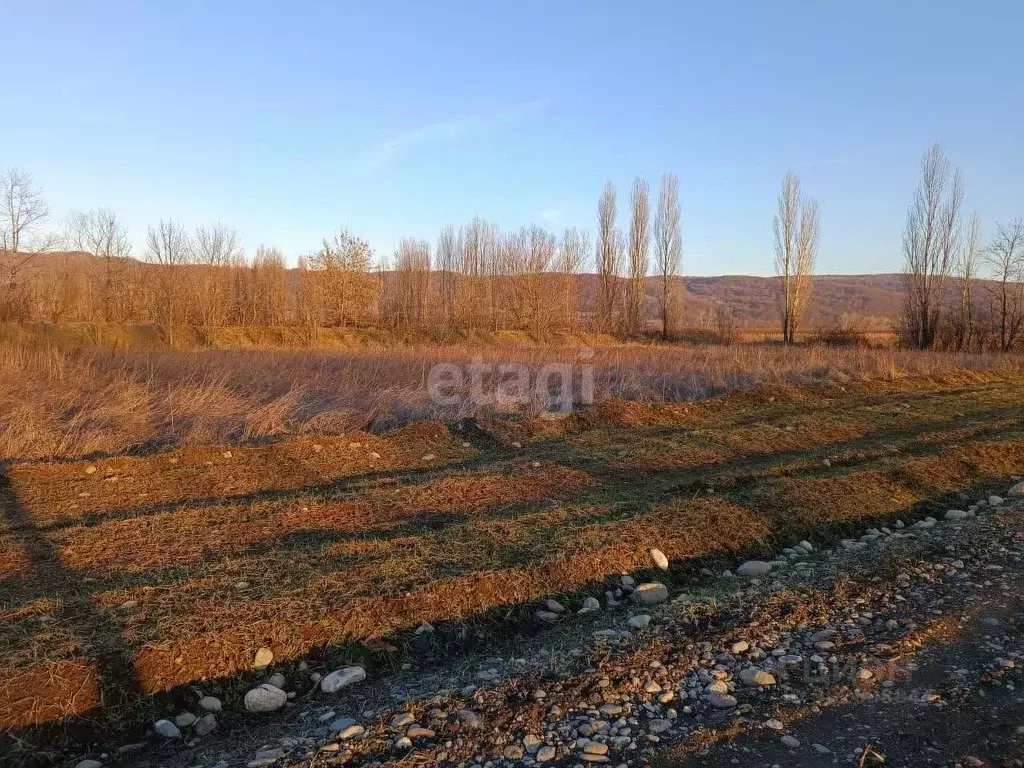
{"x":477,"y":276}
{"x":943,"y":258}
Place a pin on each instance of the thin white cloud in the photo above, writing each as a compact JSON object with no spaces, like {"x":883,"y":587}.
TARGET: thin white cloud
{"x":389,"y":151}
{"x":550,"y":215}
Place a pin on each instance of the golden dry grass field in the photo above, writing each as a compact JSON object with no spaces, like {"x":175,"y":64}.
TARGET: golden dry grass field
{"x":127,"y":576}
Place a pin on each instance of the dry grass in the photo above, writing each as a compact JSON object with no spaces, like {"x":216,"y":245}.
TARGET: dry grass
{"x":70,"y":404}
{"x":155,"y":572}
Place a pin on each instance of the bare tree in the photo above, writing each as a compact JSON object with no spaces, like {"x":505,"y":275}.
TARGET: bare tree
{"x":347,"y":288}
{"x":100,"y":233}
{"x":796,"y":229}
{"x":480,"y":264}
{"x":930,"y":246}
{"x":1005,"y":258}
{"x":23,"y":212}
{"x":169,"y":249}
{"x":575,"y":244}
{"x":639,"y":246}
{"x":411,"y":279}
{"x":264,"y":301}
{"x":447,"y":273}
{"x":215,"y":252}
{"x":967,"y":272}
{"x":529,"y":254}
{"x":609,"y":259}
{"x":668,"y":245}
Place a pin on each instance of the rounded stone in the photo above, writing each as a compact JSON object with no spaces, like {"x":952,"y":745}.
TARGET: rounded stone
{"x":341,"y":678}
{"x":265,"y":698}
{"x":658,"y":558}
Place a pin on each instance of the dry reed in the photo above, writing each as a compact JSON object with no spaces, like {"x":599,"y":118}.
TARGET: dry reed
{"x":57,"y":404}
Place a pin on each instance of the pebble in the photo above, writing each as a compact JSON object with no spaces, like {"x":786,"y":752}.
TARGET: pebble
{"x":590,"y":605}
{"x":167,"y":729}
{"x":89,"y":764}
{"x":741,"y":646}
{"x":185,"y":719}
{"x":721,"y":700}
{"x":651,"y":593}
{"x":265,"y":757}
{"x":342,"y":678}
{"x":790,"y":741}
{"x":352,"y":732}
{"x":554,"y":606}
{"x":658,"y":558}
{"x":277,"y":680}
{"x":659,"y":726}
{"x":205,"y":725}
{"x":263,"y":658}
{"x":210,"y":704}
{"x":754,"y":568}
{"x":265,"y":698}
{"x":545,"y":754}
{"x":755,"y":676}
{"x":338,"y":724}
{"x":531,"y":742}
{"x":956,"y":514}
{"x":641,"y":621}
{"x":402,"y":719}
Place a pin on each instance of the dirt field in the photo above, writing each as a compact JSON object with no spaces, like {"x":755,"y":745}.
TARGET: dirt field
{"x":125,"y":580}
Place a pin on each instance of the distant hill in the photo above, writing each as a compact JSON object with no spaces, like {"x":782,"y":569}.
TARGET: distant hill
{"x":875,"y":301}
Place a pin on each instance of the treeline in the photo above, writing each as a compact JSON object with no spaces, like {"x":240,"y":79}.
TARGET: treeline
{"x":480,"y":277}
{"x":474,"y":277}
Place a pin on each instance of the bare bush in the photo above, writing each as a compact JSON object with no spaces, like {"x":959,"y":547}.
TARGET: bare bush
{"x":848,"y":332}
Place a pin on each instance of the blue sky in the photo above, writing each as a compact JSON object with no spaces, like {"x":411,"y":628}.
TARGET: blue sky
{"x":291,"y":120}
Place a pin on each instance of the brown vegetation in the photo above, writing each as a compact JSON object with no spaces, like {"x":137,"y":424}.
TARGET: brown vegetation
{"x":149,"y":573}
{"x":67,"y":404}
